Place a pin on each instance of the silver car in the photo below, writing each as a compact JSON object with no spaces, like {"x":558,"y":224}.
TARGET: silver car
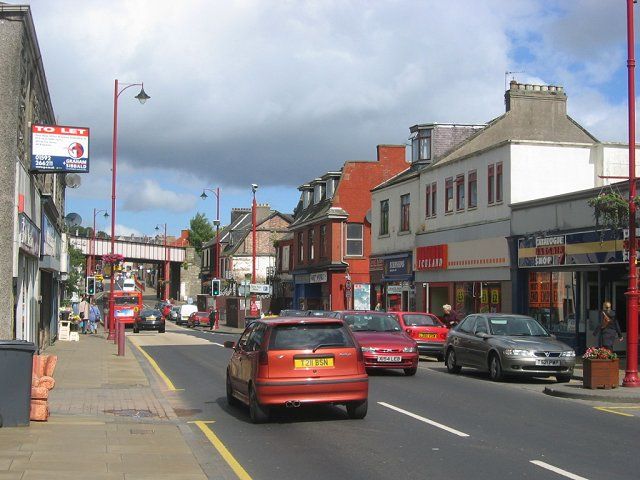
{"x":507,"y":344}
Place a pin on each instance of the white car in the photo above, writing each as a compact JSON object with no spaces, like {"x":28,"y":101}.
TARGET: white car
{"x":185,"y":311}
{"x":128,"y":285}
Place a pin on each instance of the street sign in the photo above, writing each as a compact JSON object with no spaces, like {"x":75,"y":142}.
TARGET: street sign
{"x":260,"y":288}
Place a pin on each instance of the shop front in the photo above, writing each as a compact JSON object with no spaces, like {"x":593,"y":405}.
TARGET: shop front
{"x":397,"y":281}
{"x":26,"y":279}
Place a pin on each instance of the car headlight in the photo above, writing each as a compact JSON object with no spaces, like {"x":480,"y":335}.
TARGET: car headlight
{"x":514,"y":352}
{"x":368,"y":349}
{"x":409,"y":349}
{"x":568,"y":353}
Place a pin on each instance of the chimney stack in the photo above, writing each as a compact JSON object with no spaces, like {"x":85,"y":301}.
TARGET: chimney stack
{"x":523,"y":96}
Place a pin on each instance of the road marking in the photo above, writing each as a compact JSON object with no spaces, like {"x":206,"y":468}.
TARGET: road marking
{"x":218,"y":344}
{"x":425,"y":420}
{"x":226,"y":454}
{"x":614,"y":410}
{"x":155,"y":366}
{"x":557,"y":470}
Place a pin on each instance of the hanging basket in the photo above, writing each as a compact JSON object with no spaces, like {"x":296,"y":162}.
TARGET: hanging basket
{"x":113,"y":259}
{"x":611,"y":210}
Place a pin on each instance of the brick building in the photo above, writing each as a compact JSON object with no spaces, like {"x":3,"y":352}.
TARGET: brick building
{"x":331,"y":233}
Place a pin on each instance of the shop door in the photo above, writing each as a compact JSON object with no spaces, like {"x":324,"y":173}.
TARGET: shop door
{"x":438,"y":296}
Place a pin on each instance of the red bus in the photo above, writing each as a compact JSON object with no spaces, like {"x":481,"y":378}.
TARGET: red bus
{"x":126,"y":305}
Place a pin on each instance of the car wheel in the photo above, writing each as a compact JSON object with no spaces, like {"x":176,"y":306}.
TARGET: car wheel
{"x":231,"y":400}
{"x":357,"y":410}
{"x":136,"y":329}
{"x":409,"y":372}
{"x":495,"y":368}
{"x":258,"y":413}
{"x":440,"y":357}
{"x":452,"y":367}
{"x":563,"y":378}
{"x":161,"y":330}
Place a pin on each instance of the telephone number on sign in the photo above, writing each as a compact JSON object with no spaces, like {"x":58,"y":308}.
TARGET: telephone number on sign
{"x":43,"y":157}
{"x":44,"y":163}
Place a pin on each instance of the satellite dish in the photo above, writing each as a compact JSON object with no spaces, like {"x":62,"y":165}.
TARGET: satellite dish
{"x":72,"y":180}
{"x":73,"y":220}
{"x":367,"y":217}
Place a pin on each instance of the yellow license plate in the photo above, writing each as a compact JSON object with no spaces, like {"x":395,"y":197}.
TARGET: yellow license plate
{"x":428,"y":335}
{"x":313,"y":362}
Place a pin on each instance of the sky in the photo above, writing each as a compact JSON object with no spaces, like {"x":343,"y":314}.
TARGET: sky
{"x":278,"y":92}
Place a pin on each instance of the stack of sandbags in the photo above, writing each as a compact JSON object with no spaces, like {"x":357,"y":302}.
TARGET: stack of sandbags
{"x":41,"y":382}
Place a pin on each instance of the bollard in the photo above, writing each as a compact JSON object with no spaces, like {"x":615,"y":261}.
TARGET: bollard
{"x":116,"y":326}
{"x":216,"y":324}
{"x":120,"y":337}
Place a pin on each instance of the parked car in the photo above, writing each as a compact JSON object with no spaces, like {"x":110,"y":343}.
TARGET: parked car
{"x":173,"y":314}
{"x":507,"y":344}
{"x":383,"y":342}
{"x":185,"y":311}
{"x":297,"y":361}
{"x":198,"y":319}
{"x":426,"y":329}
{"x":306,"y":313}
{"x":149,"y":319}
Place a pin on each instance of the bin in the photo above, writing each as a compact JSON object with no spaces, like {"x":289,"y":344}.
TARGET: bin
{"x":16,"y":359}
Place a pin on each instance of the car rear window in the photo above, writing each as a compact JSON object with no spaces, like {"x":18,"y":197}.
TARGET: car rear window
{"x":421,"y":321}
{"x":372,"y":322}
{"x":309,"y":336}
{"x":149,"y":312}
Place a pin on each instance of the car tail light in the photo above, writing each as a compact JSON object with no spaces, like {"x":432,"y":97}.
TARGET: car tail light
{"x":360,"y":354}
{"x":408,"y":330}
{"x":263,"y":357}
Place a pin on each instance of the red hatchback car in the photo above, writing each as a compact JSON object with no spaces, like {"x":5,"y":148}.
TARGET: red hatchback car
{"x":198,"y":319}
{"x":427,"y":330}
{"x":383,"y":342}
{"x":297,"y":361}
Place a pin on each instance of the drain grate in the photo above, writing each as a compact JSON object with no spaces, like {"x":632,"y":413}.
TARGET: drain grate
{"x":140,"y":431}
{"x":130,"y":412}
{"x":186,"y":412}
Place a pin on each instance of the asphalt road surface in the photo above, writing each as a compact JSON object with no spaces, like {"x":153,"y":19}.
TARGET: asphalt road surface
{"x":430,"y":426}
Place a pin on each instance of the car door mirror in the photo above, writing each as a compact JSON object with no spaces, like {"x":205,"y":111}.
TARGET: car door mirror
{"x":483,"y":335}
{"x":229,"y":344}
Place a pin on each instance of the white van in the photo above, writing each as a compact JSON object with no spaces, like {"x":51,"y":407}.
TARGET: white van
{"x":185,"y":311}
{"x":128,"y":285}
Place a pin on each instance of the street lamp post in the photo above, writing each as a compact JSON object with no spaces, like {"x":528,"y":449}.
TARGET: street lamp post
{"x":216,"y":222}
{"x":165,"y":289}
{"x":92,"y":258}
{"x":631,"y":372}
{"x":254,"y":307}
{"x":142,"y":98}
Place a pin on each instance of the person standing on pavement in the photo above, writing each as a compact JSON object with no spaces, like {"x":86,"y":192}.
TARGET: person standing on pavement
{"x":83,"y":311}
{"x":608,"y":330}
{"x":212,"y":318}
{"x":94,"y":317}
{"x":450,"y":317}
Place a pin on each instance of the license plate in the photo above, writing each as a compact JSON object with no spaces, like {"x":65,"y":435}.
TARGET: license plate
{"x":124,"y":313}
{"x":548,"y":363}
{"x":324,"y":362}
{"x":390,"y":359}
{"x":428,"y":335}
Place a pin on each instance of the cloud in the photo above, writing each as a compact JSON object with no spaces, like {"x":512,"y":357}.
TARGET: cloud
{"x":150,"y":195}
{"x":125,"y":231}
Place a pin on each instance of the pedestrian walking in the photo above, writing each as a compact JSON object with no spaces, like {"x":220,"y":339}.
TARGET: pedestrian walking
{"x":212,"y":318}
{"x":94,"y":317}
{"x":450,"y":317}
{"x":608,"y":330}
{"x":83,"y":311}
{"x":378,"y":307}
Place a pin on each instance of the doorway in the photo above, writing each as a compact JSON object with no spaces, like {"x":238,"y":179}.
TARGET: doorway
{"x":438,"y":296}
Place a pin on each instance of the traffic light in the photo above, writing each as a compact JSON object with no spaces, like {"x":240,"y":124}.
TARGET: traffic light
{"x":215,"y":286}
{"x":91,"y":285}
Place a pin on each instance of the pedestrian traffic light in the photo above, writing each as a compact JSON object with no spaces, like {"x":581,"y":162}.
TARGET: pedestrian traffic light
{"x":215,"y":286}
{"x":91,"y":285}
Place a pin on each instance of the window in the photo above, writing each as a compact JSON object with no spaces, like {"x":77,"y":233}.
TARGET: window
{"x":284,"y":265}
{"x":323,"y":241}
{"x":499,"y":182}
{"x":405,"y":206}
{"x":384,"y":217}
{"x":318,"y":192}
{"x":421,"y":145}
{"x":490,"y":183}
{"x":427,"y":201}
{"x":300,"y":246}
{"x":434,"y":197}
{"x":310,"y":246}
{"x":473,"y":189}
{"x":460,"y":192}
{"x":448,"y":195}
{"x":355,"y":237}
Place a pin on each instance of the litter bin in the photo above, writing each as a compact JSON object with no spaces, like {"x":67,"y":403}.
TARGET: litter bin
{"x":16,"y":358}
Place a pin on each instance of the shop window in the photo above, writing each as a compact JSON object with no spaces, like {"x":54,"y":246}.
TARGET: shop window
{"x":355,"y":234}
{"x":300,"y":247}
{"x":552,"y":300}
{"x":473,"y":189}
{"x":490,"y":184}
{"x":460,"y":192}
{"x":477,"y":297}
{"x":405,"y":209}
{"x":499,"y":182}
{"x":434,"y":197}
{"x":323,"y":241}
{"x":448,"y":195}
{"x":384,"y":217}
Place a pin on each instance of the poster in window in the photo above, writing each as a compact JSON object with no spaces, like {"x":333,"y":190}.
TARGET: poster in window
{"x":361,"y":296}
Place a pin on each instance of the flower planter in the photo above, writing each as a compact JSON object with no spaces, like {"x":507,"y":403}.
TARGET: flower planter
{"x":600,"y":373}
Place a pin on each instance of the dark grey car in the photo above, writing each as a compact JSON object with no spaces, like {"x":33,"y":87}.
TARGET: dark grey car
{"x":507,"y":344}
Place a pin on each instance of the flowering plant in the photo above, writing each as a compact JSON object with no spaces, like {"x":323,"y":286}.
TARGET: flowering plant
{"x":599,"y":353}
{"x":112,"y":259}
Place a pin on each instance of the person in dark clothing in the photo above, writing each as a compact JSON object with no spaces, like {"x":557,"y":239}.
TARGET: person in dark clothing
{"x":450,"y":317}
{"x":212,"y":318}
{"x":608,"y":330}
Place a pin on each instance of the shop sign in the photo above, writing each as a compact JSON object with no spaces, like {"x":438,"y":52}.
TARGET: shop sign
{"x":432,"y":257}
{"x":50,"y":239}
{"x":260,"y":288}
{"x":319,"y":277}
{"x":58,"y":148}
{"x":361,"y":296}
{"x":397,"y":266}
{"x":394,"y":289}
{"x":299,"y":279}
{"x":376,"y":264}
{"x":29,"y":235}
{"x":480,"y":253}
{"x":550,"y":251}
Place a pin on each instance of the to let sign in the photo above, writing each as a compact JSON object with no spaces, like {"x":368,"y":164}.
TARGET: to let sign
{"x":58,"y":148}
{"x":432,"y":257}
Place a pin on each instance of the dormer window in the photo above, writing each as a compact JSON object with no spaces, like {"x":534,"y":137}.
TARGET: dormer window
{"x":306,"y":198}
{"x":421,"y":145}
{"x":331,"y":187}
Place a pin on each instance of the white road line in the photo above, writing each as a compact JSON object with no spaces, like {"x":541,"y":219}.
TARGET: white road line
{"x":425,"y":420}
{"x":557,"y":470}
{"x":218,"y":344}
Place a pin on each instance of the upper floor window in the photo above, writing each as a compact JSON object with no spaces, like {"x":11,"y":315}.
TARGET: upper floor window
{"x":434,"y":199}
{"x":460,"y":192}
{"x":421,"y":145}
{"x":323,"y":241}
{"x":473,"y":189}
{"x":318,"y":192}
{"x":306,"y":198}
{"x":355,"y":239}
{"x":405,"y":211}
{"x":310,"y":244}
{"x":284,"y":258}
{"x":490,"y":183}
{"x":300,"y":246}
{"x":499,"y":182}
{"x":427,"y":201}
{"x":448,"y":195}
{"x":384,"y":217}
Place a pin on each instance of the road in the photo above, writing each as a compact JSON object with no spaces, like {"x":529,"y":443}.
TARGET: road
{"x":433,"y":425}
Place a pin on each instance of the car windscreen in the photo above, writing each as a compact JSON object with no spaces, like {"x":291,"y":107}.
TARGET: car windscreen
{"x":309,"y":336}
{"x":294,"y":313}
{"x":516,"y":326}
{"x":126,"y":300}
{"x":372,"y":322}
{"x":418,"y":320}
{"x":149,"y":312}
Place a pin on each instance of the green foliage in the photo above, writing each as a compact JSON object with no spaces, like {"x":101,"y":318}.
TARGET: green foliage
{"x":200,"y":231}
{"x":76,"y":259}
{"x":611,"y":210}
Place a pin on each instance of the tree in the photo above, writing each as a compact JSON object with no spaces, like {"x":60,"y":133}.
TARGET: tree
{"x":200,"y":231}
{"x":76,"y":259}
